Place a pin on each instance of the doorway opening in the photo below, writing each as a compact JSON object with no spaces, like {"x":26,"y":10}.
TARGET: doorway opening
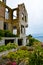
{"x":10,"y":40}
{"x":20,"y":41}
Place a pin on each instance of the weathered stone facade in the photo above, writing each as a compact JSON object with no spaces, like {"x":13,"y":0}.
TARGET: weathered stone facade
{"x":14,"y":19}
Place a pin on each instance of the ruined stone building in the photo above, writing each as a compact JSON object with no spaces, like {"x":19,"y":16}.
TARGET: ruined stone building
{"x":14,"y":20}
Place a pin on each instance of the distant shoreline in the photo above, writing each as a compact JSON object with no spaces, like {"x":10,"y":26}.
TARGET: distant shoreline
{"x":40,"y":38}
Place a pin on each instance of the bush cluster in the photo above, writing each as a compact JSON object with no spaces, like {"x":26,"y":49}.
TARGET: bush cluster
{"x":34,"y":57}
{"x":32,"y":41}
{"x":7,"y":33}
{"x":17,"y":56}
{"x":8,"y":47}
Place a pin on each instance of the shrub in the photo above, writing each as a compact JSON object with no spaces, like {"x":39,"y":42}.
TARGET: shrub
{"x":7,"y":33}
{"x":18,"y":56}
{"x":23,"y":48}
{"x":31,"y":40}
{"x":8,"y":47}
{"x":36,"y":59}
{"x":29,"y":36}
{"x":1,"y":33}
{"x":11,"y":45}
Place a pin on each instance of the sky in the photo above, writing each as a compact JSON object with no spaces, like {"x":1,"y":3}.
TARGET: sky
{"x":35,"y":14}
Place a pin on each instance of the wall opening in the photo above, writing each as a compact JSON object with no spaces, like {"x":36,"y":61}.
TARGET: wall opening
{"x":20,"y":41}
{"x":22,"y":16}
{"x":15,"y":30}
{"x":25,"y":19}
{"x":22,"y":29}
{"x":10,"y":40}
{"x":6,"y":13}
{"x":5,"y":26}
{"x":14,"y":14}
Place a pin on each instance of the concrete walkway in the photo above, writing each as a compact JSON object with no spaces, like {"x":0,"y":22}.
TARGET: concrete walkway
{"x":6,"y":52}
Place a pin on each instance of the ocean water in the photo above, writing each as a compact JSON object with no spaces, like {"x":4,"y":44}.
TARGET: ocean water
{"x":40,"y":38}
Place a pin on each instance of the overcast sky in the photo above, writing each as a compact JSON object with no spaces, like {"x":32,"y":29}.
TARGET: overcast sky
{"x":35,"y":14}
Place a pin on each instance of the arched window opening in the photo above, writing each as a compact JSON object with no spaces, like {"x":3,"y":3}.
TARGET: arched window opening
{"x":15,"y":14}
{"x":6,"y":13}
{"x":15,"y":30}
{"x":22,"y":16}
